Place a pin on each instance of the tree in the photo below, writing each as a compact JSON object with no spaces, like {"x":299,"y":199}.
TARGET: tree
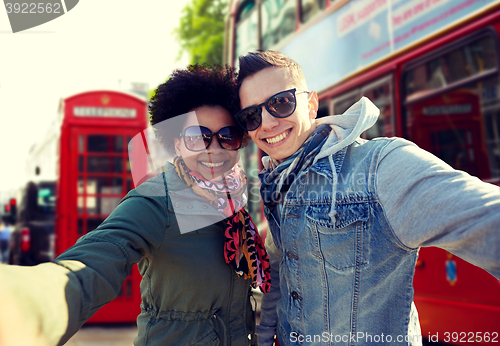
{"x":201,"y":30}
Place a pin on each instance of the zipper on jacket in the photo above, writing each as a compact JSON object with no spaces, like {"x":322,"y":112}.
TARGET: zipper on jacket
{"x":252,"y":337}
{"x":223,"y":323}
{"x":231,"y":291}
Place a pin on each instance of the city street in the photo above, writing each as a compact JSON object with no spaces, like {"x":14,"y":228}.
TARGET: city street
{"x":104,"y":335}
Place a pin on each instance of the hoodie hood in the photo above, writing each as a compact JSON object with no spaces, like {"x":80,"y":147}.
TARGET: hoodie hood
{"x":346,"y":128}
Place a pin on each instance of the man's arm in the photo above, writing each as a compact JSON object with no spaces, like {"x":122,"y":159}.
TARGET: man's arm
{"x":266,"y":330}
{"x":428,"y":203}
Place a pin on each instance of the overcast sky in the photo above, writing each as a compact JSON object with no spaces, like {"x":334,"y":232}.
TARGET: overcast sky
{"x":98,"y":44}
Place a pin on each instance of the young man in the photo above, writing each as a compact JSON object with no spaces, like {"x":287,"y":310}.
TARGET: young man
{"x":347,"y":216}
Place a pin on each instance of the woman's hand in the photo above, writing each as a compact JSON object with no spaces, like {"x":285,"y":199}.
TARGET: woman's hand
{"x":14,"y":330}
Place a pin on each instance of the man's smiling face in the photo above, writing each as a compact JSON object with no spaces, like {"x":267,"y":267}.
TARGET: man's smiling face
{"x":279,"y":137}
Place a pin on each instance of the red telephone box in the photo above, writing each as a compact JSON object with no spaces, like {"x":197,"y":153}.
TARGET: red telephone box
{"x":94,"y":174}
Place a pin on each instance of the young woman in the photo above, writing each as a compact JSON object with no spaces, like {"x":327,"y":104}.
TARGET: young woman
{"x":196,"y":247}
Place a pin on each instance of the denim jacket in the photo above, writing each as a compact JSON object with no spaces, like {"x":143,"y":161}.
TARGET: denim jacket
{"x":346,"y":239}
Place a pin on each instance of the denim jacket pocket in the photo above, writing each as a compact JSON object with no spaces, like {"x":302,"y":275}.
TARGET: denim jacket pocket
{"x":342,"y":245}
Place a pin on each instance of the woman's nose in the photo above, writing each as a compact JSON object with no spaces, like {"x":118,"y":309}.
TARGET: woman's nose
{"x":214,"y":143}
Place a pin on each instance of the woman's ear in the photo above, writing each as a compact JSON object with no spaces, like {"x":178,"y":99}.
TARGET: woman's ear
{"x":177,"y":146}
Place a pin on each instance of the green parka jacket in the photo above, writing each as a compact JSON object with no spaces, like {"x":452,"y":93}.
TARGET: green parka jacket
{"x":190,"y":296}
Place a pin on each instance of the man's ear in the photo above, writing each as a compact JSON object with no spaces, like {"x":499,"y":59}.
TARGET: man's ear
{"x":313,"y":105}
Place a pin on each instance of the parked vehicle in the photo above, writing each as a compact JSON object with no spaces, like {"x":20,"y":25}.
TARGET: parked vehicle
{"x":32,"y":241}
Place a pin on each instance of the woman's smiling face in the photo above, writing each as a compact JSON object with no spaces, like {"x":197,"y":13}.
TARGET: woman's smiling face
{"x":214,"y":161}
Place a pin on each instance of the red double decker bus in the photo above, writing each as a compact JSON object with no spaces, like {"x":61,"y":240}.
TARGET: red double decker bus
{"x":432,"y":68}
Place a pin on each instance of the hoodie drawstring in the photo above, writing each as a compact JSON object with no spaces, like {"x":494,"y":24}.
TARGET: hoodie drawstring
{"x":333,"y":207}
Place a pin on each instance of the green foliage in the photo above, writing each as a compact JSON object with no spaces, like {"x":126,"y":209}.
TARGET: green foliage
{"x":201,"y":31}
{"x":151,"y":93}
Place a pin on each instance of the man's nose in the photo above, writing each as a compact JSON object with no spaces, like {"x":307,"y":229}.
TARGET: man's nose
{"x":268,"y":121}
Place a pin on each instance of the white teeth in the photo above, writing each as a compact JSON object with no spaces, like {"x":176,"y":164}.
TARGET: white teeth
{"x":276,"y":139}
{"x":212,"y":165}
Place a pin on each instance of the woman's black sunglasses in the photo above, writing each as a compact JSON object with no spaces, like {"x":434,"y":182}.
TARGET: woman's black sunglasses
{"x":280,"y":105}
{"x":198,"y":138}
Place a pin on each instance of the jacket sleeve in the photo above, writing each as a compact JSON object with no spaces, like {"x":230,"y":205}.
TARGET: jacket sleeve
{"x":266,"y":330}
{"x":65,"y":294}
{"x":428,"y":203}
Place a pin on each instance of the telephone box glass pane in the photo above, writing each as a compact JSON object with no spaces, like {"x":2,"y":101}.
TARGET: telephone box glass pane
{"x":93,"y":223}
{"x":104,"y":164}
{"x":105,"y":185}
{"x":104,"y":144}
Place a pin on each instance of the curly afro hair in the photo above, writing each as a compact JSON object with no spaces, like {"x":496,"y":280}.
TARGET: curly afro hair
{"x":191,"y":88}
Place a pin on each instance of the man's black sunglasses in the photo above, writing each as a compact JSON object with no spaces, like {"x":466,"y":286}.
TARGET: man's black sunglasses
{"x":280,"y":105}
{"x":198,"y":138}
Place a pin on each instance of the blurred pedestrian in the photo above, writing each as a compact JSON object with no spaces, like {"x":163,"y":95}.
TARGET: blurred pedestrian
{"x":5,"y":231}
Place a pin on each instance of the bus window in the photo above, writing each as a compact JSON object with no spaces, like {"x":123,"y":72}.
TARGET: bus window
{"x":380,"y":93}
{"x":491,"y":115}
{"x":342,"y":103}
{"x":309,"y":8}
{"x":461,"y":127}
{"x":246,"y":31}
{"x":472,"y":59}
{"x":324,"y":108}
{"x":278,"y":21}
{"x":245,"y":9}
{"x":459,"y":122}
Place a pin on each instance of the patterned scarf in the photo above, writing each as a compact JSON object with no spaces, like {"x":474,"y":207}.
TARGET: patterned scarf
{"x":279,"y":176}
{"x":243,"y":247}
